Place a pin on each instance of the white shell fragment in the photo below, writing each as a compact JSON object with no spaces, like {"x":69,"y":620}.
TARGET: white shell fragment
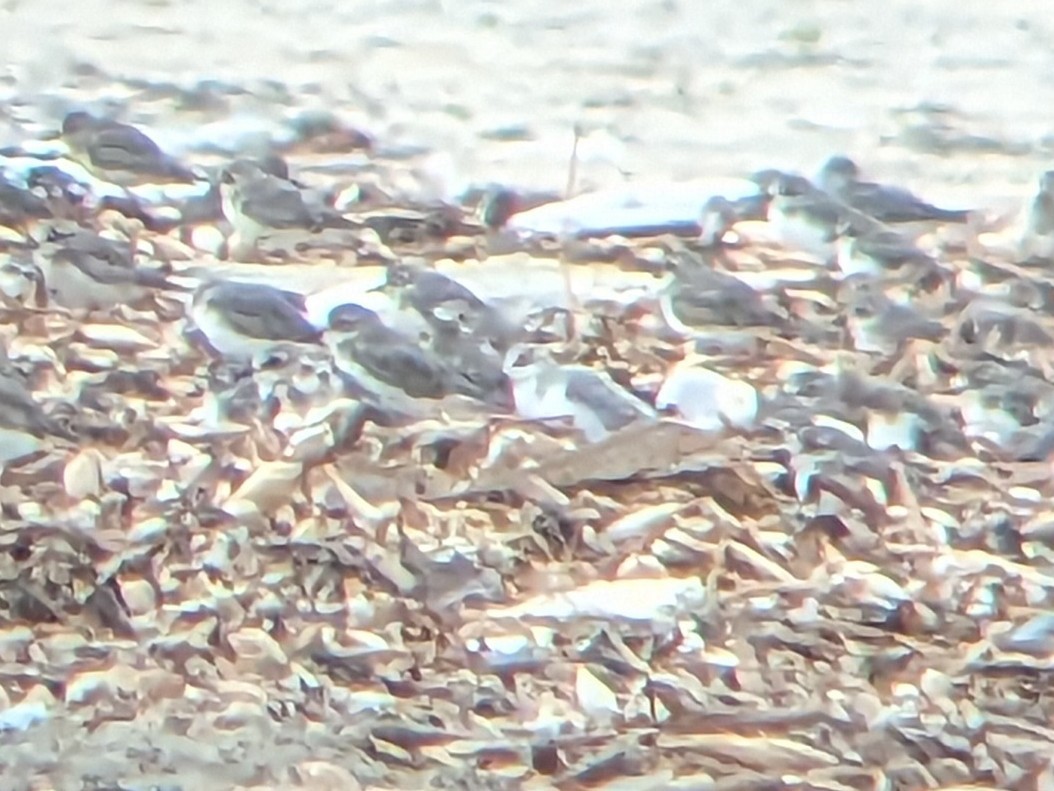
{"x":595,"y":697}
{"x":630,"y":599}
{"x":267,"y":489}
{"x":83,"y":475}
{"x":114,"y":336}
{"x":630,"y":207}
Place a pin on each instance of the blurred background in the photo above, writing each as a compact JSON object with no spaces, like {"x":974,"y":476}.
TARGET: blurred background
{"x":952,"y":94}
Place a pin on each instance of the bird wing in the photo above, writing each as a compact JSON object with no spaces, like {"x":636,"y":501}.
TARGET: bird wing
{"x":895,"y":204}
{"x":432,"y":288}
{"x":818,"y":208}
{"x":275,"y":203}
{"x":23,"y":413}
{"x":479,"y":376}
{"x":267,"y":313}
{"x":20,"y":410}
{"x":890,"y":247}
{"x":399,"y":362}
{"x":912,"y":324}
{"x":735,"y":304}
{"x":614,"y":409}
{"x":99,"y":260}
{"x":122,"y":147}
{"x":17,"y":204}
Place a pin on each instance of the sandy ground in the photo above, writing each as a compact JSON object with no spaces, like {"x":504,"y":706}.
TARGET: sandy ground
{"x":953,"y":92}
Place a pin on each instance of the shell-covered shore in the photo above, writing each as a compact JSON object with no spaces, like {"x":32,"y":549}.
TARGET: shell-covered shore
{"x":848,"y":588}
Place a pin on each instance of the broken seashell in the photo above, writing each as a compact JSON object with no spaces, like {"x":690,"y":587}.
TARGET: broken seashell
{"x":268,"y":488}
{"x":115,"y":336}
{"x":82,"y":476}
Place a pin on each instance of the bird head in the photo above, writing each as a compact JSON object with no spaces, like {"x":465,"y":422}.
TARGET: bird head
{"x":400,"y":274}
{"x":786,"y":184}
{"x":240,"y":171}
{"x":351,"y":318}
{"x":78,"y":121}
{"x":498,"y":206}
{"x":838,"y":172}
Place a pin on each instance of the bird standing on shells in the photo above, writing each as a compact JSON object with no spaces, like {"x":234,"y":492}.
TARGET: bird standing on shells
{"x":120,"y":153}
{"x":699,"y":296}
{"x":247,"y":321}
{"x":259,"y":204}
{"x":880,"y":252}
{"x":397,"y":373}
{"x":25,"y":428}
{"x":449,"y":307}
{"x":466,"y":334}
{"x":877,"y":323}
{"x":716,"y":219}
{"x":85,"y":271}
{"x":593,"y":402}
{"x":840,"y":178}
{"x":806,"y":219}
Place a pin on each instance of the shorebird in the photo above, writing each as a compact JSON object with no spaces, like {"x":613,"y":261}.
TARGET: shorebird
{"x":840,"y":177}
{"x":449,"y":307}
{"x":120,"y":153}
{"x":397,"y":373}
{"x":593,"y":402}
{"x":700,"y":296}
{"x":716,"y":219}
{"x":806,"y":219}
{"x":25,"y":428}
{"x":878,"y":324}
{"x":879,"y":252}
{"x":259,"y":204}
{"x":20,"y":207}
{"x":246,"y":320}
{"x":85,"y":271}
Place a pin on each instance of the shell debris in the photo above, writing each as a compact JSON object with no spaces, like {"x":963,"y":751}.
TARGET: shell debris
{"x":312,"y":479}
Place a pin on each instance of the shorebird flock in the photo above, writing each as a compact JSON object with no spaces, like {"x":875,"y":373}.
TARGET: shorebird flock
{"x":743,"y":449}
{"x":420,"y":343}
